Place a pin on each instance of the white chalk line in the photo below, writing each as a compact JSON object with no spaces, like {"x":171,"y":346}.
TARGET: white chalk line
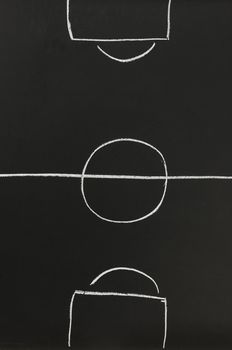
{"x":116,"y":177}
{"x":127,"y":60}
{"x":165,"y":322}
{"x":116,"y":294}
{"x":115,"y":269}
{"x":69,"y":26}
{"x":121,"y":40}
{"x":121,"y":60}
{"x":109,"y":143}
{"x":169,"y":20}
{"x":68,"y":20}
{"x":70,"y":319}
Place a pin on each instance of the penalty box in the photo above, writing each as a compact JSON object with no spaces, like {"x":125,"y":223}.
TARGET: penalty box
{"x":99,"y":319}
{"x":121,"y":20}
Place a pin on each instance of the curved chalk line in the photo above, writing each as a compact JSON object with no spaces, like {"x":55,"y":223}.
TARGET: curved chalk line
{"x":111,"y":143}
{"x":114,"y":269}
{"x":127,"y":60}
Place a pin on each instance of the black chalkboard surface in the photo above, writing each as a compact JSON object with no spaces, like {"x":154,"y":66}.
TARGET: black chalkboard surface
{"x":119,"y":235}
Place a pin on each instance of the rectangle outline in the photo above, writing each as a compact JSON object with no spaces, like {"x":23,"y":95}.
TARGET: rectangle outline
{"x":69,"y":26}
{"x":132,"y":295}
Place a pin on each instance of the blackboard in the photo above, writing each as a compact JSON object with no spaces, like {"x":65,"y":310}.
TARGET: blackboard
{"x":165,"y":115}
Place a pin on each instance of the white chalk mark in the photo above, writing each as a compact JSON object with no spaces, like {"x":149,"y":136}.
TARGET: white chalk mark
{"x":40,"y":175}
{"x":169,"y":20}
{"x":70,"y":319}
{"x":165,"y":322}
{"x":114,"y":269}
{"x":68,"y":20}
{"x":84,"y":176}
{"x":116,"y":177}
{"x":122,"y":60}
{"x":127,"y":60}
{"x":124,"y":221}
{"x":69,"y":26}
{"x":120,"y":40}
{"x":118,"y":294}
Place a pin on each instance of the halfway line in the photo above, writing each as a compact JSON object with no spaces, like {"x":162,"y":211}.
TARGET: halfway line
{"x":115,"y":177}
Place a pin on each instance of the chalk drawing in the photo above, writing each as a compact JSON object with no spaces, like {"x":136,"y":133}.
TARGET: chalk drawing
{"x":127,"y":60}
{"x":84,"y":175}
{"x":114,"y":269}
{"x":105,"y":40}
{"x":142,"y":217}
{"x":117,"y":294}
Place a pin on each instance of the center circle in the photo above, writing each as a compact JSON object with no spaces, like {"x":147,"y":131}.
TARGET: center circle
{"x":84,"y":175}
